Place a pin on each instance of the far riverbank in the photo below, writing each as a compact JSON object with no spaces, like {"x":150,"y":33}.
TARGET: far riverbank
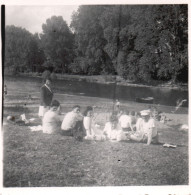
{"x":109,"y":79}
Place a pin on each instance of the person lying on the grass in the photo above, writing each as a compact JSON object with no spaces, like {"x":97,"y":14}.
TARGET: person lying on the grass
{"x":87,"y":122}
{"x":51,"y":121}
{"x":125,"y":122}
{"x":72,"y":124}
{"x":146,"y":130}
{"x":112,"y":131}
{"x":46,"y":96}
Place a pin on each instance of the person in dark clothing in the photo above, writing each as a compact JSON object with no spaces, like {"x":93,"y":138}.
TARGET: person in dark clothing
{"x":46,"y":96}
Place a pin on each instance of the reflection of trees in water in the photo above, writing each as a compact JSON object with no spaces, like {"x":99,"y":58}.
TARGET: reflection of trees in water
{"x":163,"y":96}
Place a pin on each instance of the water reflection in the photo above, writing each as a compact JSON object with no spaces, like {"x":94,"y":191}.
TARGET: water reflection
{"x":163,"y":96}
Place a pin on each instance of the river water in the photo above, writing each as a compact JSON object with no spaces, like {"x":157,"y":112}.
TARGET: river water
{"x":162,"y":96}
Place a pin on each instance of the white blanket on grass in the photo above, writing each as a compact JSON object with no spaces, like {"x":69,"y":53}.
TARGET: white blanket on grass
{"x":36,"y":128}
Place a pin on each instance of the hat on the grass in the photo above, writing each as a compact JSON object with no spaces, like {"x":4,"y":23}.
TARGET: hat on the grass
{"x":145,"y":112}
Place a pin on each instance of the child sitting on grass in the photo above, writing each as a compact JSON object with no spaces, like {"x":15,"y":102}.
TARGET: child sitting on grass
{"x":51,"y":120}
{"x":72,"y":124}
{"x":145,"y":129}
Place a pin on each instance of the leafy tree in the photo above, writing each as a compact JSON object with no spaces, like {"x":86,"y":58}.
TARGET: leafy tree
{"x":46,"y":74}
{"x":39,"y":55}
{"x":58,"y":41}
{"x":89,"y":39}
{"x":139,"y":42}
{"x":16,"y":42}
{"x":21,"y":49}
{"x":141,"y":46}
{"x":121,"y":24}
{"x":173,"y":25}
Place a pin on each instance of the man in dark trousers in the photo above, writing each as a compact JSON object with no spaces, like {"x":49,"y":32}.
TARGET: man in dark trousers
{"x":46,"y":95}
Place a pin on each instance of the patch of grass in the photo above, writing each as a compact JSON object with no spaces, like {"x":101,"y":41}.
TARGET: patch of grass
{"x":37,"y":159}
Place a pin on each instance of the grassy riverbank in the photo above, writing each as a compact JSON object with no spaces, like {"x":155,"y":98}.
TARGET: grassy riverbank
{"x":34,"y":159}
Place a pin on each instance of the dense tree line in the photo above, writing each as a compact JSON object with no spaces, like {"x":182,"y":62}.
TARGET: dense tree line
{"x":137,"y":42}
{"x":22,"y":50}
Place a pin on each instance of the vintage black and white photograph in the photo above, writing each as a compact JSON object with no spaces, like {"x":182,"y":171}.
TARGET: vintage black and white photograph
{"x":95,"y":95}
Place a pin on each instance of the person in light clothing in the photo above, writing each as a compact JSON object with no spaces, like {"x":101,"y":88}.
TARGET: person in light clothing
{"x":46,"y":96}
{"x":72,"y":123}
{"x":87,"y":122}
{"x":125,"y":122}
{"x":89,"y":127}
{"x":112,"y":131}
{"x":51,"y":120}
{"x":146,"y":130}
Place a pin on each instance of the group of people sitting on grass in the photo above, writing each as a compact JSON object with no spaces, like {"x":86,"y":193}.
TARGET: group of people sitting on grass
{"x":121,"y":126}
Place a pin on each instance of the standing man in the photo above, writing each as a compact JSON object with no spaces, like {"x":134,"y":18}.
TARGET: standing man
{"x":46,"y":96}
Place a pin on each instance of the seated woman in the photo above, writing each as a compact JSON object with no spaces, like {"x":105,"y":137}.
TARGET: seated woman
{"x":72,"y":124}
{"x":51,"y":120}
{"x":125,"y":122}
{"x":112,"y":130}
{"x":145,"y":129}
{"x":87,"y":122}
